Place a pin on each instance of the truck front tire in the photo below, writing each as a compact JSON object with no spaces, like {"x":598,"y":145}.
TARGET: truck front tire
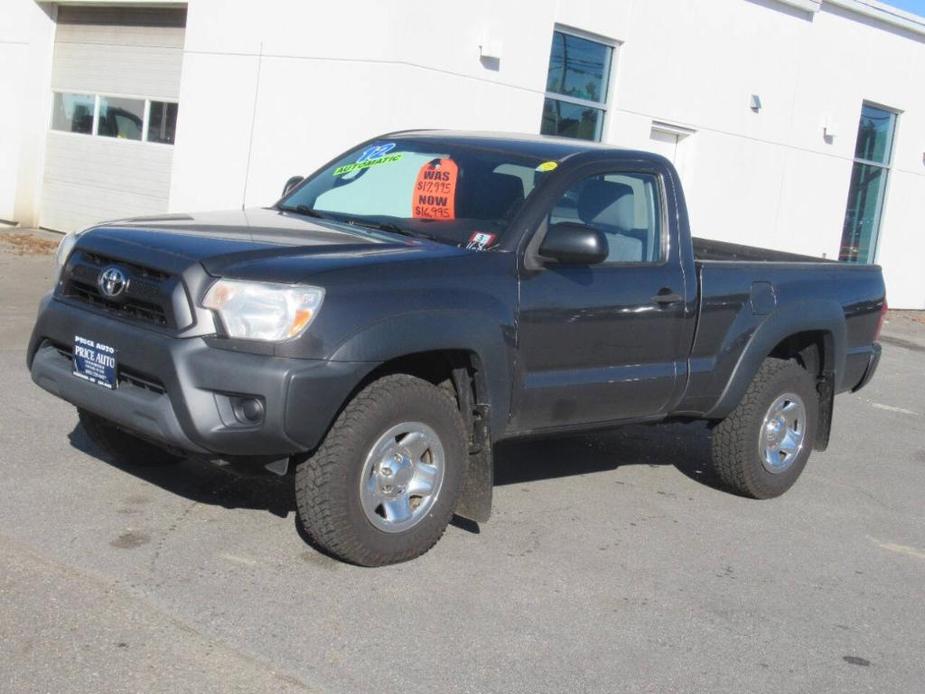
{"x":383,"y":485}
{"x":761,"y":448}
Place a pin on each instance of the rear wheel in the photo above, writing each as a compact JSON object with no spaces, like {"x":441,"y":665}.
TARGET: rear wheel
{"x":121,"y":446}
{"x":761,"y":448}
{"x":383,"y":485}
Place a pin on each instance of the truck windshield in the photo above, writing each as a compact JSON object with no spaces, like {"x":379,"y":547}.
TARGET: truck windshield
{"x":449,"y":192}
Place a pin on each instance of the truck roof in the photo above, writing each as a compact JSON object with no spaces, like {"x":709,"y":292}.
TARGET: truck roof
{"x":542,"y":146}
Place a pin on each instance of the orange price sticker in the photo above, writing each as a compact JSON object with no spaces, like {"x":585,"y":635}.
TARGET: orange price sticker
{"x":434,"y":194}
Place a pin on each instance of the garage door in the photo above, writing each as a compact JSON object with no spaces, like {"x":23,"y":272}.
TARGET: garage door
{"x":115,"y":83}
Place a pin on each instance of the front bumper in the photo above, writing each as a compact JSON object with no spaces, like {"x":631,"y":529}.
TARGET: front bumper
{"x":179,"y":392}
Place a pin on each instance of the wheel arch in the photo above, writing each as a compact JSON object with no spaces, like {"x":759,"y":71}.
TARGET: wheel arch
{"x":418,"y":340}
{"x":814,"y":333}
{"x":463,"y":372}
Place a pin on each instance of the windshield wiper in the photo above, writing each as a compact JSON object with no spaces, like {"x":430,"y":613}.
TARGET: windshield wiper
{"x":388,"y":226}
{"x":369,"y":224}
{"x":305,"y":210}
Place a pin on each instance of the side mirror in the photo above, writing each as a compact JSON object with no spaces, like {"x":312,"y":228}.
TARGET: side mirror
{"x":574,"y":244}
{"x":292,"y":183}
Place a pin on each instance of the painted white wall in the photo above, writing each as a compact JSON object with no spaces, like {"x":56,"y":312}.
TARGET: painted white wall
{"x":92,"y":178}
{"x":89,"y":179}
{"x":275,"y":88}
{"x":26,"y":39}
{"x":329,"y":78}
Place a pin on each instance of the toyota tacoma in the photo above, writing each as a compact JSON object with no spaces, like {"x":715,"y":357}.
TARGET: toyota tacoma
{"x":428,"y":294}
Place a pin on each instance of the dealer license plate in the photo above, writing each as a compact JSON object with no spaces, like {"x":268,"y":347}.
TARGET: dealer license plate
{"x":95,"y":362}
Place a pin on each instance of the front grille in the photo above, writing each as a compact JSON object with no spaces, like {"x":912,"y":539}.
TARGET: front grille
{"x":146,"y":298}
{"x":140,"y":271}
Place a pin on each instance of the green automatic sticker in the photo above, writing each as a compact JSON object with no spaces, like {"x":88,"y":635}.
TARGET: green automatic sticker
{"x":356,"y":166}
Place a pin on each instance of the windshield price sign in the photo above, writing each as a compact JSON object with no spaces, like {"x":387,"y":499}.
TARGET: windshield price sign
{"x":434,"y":194}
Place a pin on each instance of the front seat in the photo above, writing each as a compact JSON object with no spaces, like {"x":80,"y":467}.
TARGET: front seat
{"x":491,"y":196}
{"x":611,"y":208}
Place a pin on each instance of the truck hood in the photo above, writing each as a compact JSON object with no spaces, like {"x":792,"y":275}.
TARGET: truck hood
{"x":256,"y":244}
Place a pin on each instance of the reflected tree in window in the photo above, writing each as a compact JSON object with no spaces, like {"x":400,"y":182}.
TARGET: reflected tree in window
{"x":576,"y":87}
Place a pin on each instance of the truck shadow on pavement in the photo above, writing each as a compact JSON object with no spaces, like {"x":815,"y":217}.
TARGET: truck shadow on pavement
{"x":685,"y":446}
{"x":203,"y":482}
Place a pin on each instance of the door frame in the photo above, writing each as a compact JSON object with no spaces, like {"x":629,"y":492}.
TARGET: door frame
{"x":535,"y":229}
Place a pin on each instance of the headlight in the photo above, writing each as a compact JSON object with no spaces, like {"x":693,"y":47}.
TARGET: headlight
{"x":263,"y":311}
{"x":65,"y":246}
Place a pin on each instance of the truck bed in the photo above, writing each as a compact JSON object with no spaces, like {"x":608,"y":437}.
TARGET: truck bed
{"x":742,"y":287}
{"x":708,"y":249}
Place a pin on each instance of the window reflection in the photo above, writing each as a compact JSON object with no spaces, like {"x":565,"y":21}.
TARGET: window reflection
{"x":162,"y":122}
{"x":571,"y":120}
{"x":576,"y":87}
{"x":73,"y":113}
{"x":121,"y":118}
{"x":866,"y":194}
{"x":578,"y":67}
{"x":875,"y":135}
{"x":116,"y":117}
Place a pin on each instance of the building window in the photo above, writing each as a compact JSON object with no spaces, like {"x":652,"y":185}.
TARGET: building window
{"x":872,"y":155}
{"x":123,"y":118}
{"x":73,"y":113}
{"x":576,"y":86}
{"x":162,"y":123}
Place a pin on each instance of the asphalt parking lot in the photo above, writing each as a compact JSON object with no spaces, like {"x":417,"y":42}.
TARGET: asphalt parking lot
{"x":612,"y":563}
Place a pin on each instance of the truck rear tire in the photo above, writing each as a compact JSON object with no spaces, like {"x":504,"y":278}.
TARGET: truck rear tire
{"x":384,"y":483}
{"x":761,"y":448}
{"x":122,"y":447}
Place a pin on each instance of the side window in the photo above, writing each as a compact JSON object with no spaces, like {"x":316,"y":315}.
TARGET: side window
{"x":625,"y":207}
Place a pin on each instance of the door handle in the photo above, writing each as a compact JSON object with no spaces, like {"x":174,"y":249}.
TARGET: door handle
{"x":665,"y":297}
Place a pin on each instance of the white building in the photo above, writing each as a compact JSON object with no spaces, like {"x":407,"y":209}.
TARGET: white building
{"x":796,"y":124}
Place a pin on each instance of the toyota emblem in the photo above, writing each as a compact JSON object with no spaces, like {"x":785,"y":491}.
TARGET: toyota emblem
{"x":112,"y":282}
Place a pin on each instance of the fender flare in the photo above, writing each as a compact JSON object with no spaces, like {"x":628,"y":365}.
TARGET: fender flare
{"x":805,"y":316}
{"x":406,"y":334}
{"x":451,"y":330}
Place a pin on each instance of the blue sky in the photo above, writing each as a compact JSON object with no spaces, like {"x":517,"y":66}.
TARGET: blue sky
{"x":917,"y":6}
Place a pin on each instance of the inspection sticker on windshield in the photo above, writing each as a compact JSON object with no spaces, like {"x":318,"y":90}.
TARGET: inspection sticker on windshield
{"x":371,"y":156}
{"x":547,"y":166}
{"x":434,"y":194}
{"x":95,"y":362}
{"x":480,"y":240}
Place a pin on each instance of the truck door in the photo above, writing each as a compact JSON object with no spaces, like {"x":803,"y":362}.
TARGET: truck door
{"x":605,"y":342}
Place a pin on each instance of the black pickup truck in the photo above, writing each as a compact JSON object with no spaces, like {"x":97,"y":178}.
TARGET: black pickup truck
{"x":428,"y":294}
